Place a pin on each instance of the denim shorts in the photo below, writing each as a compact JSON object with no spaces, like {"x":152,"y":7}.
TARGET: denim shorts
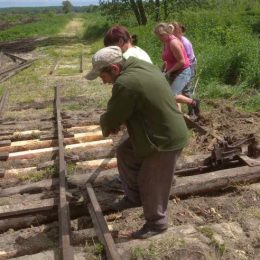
{"x":180,"y":82}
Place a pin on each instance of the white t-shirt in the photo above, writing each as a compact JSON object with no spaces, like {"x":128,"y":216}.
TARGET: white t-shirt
{"x":138,"y":53}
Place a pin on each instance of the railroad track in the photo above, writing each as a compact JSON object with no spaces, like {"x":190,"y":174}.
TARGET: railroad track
{"x":62,"y":144}
{"x":39,"y":147}
{"x":3,"y":102}
{"x":19,"y":65}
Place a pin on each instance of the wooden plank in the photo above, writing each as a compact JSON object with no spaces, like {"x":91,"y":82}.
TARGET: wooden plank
{"x":39,"y":186}
{"x":39,"y":152}
{"x":106,"y":163}
{"x":12,"y":173}
{"x":14,"y":210}
{"x":83,"y":128}
{"x":38,"y":144}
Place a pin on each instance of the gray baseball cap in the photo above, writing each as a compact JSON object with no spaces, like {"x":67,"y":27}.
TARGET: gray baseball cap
{"x":103,"y":58}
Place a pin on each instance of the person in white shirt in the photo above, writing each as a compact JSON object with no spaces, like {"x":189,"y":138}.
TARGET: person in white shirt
{"x":119,"y":36}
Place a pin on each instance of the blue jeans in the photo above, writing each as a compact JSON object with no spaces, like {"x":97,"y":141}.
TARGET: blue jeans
{"x":180,"y":83}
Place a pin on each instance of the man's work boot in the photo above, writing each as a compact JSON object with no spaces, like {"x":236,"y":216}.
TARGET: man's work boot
{"x":146,"y":232}
{"x":124,"y":203}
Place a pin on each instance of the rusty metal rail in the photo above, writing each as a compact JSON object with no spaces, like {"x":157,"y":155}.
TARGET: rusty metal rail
{"x":66,"y":251}
{"x":14,"y":70}
{"x":14,"y":57}
{"x":3,"y":102}
{"x":100,"y":225}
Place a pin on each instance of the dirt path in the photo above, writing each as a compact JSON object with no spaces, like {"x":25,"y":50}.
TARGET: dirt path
{"x":73,"y":28}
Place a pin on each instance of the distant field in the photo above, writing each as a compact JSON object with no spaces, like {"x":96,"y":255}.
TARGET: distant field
{"x":19,"y":26}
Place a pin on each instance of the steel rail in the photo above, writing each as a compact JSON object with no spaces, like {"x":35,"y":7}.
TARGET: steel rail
{"x":100,"y":225}
{"x":3,"y":102}
{"x":14,"y":57}
{"x":66,"y":250}
{"x":15,"y":67}
{"x":9,"y":73}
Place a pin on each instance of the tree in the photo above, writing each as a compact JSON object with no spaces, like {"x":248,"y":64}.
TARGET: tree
{"x":115,"y":8}
{"x":66,"y":7}
{"x":138,"y":9}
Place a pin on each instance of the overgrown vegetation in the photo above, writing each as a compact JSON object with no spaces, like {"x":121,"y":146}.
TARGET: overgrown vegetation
{"x":225,"y":37}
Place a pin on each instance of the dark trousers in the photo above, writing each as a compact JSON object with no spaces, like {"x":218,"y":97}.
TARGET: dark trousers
{"x":147,"y":181}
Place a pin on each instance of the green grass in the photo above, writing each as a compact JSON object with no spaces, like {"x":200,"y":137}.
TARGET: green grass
{"x":208,"y":232}
{"x":227,"y":48}
{"x":226,"y":45}
{"x":157,"y":249}
{"x":39,"y":175}
{"x":45,"y":25}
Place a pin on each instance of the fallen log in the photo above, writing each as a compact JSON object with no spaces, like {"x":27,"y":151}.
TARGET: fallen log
{"x":47,"y":213}
{"x":217,"y":180}
{"x":35,"y":187}
{"x":185,"y":186}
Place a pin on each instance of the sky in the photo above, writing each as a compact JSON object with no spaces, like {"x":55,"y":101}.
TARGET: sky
{"x":33,"y":3}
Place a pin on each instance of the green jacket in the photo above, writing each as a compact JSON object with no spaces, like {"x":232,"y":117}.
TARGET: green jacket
{"x":142,"y":99}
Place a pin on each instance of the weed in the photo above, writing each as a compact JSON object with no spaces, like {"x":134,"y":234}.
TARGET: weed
{"x":93,"y":251}
{"x":48,"y":172}
{"x":71,"y":168}
{"x":156,"y":249}
{"x":208,"y":232}
{"x":137,"y":252}
{"x":99,"y":248}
